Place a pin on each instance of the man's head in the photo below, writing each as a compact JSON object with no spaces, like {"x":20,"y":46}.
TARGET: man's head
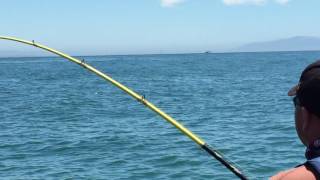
{"x":307,"y":102}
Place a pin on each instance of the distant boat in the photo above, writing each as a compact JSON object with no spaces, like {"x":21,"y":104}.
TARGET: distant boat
{"x":207,"y":52}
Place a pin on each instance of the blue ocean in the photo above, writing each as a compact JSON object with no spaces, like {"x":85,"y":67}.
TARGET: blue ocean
{"x":59,"y":121}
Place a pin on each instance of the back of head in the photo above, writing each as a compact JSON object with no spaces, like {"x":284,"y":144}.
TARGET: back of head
{"x":308,"y":89}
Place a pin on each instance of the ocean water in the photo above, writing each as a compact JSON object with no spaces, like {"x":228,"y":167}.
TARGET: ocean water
{"x":59,"y":121}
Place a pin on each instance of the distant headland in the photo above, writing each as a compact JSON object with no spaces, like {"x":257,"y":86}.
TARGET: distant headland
{"x":297,"y":43}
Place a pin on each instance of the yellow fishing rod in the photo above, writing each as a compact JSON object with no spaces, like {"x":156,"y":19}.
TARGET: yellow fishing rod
{"x":141,"y":99}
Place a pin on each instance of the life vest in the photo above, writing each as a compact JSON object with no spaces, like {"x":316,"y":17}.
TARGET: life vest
{"x":314,"y":166}
{"x":313,"y":158}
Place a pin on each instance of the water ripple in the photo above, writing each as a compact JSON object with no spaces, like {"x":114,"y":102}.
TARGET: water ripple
{"x":61,"y":122}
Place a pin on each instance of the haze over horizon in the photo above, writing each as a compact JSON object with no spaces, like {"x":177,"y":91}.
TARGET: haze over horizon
{"x":153,"y":26}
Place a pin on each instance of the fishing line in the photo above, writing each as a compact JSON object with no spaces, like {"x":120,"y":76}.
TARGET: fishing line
{"x":213,"y":152}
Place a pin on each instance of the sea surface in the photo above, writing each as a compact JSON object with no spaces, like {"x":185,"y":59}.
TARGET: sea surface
{"x":59,"y":121}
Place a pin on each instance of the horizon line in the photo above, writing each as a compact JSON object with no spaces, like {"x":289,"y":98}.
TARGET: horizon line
{"x":153,"y":54}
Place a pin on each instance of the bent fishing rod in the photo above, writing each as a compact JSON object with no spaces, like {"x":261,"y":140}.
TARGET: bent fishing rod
{"x":141,"y":99}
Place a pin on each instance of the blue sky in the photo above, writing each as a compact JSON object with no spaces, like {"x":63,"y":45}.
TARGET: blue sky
{"x":154,"y":26}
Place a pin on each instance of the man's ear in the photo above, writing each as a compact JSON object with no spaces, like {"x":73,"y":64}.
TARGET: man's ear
{"x":306,"y":119}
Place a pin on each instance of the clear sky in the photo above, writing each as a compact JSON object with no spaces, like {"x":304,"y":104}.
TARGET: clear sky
{"x":155,"y":26}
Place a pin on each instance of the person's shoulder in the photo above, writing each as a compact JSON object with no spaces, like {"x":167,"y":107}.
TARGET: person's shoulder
{"x":299,"y":173}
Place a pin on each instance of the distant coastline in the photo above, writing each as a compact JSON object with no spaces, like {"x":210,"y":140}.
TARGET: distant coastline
{"x":297,"y":43}
{"x":164,"y":54}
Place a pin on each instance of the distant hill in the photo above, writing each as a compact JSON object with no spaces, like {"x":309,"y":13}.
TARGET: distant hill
{"x":298,"y":43}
